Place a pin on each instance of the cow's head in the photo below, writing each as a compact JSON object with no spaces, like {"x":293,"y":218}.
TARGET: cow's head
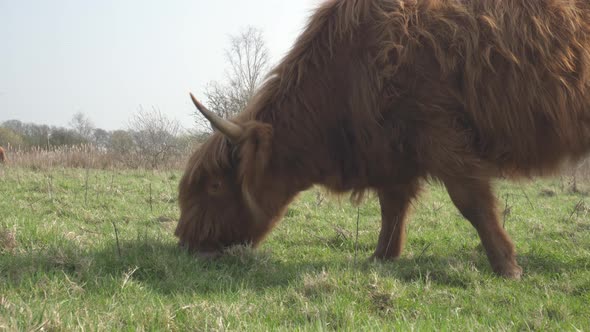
{"x":227,"y":195}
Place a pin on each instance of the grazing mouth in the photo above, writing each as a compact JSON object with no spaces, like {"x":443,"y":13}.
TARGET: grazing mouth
{"x":208,"y":254}
{"x":200,"y":253}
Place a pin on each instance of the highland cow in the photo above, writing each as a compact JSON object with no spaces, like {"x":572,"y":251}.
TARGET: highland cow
{"x":381,"y":95}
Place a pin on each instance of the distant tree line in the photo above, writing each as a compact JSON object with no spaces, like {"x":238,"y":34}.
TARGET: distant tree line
{"x":150,"y":135}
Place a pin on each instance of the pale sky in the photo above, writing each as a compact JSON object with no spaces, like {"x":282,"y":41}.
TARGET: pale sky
{"x":106,"y":58}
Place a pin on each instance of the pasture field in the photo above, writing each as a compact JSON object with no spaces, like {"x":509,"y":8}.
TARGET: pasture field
{"x":94,"y":250}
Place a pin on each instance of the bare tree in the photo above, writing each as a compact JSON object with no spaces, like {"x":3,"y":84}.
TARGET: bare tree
{"x":155,"y":135}
{"x":121,"y":142}
{"x":82,"y":125}
{"x":248,"y":60}
{"x":101,"y":138}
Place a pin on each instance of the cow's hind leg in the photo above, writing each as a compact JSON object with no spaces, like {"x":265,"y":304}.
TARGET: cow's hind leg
{"x":394,"y":206}
{"x":475,"y":200}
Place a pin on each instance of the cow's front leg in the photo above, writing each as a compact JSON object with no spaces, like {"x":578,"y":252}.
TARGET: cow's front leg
{"x":394,"y":207}
{"x":475,"y":200}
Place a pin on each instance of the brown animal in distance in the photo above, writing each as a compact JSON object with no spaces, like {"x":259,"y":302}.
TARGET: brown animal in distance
{"x":2,"y":155}
{"x":382,"y":95}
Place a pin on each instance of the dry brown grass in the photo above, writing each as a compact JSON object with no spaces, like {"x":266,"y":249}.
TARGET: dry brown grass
{"x":7,"y":240}
{"x":88,"y":156}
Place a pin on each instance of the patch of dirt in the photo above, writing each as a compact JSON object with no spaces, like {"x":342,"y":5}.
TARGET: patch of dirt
{"x":7,"y":240}
{"x":548,"y":192}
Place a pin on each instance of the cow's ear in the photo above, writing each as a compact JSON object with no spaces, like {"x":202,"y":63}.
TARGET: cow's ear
{"x":254,"y":151}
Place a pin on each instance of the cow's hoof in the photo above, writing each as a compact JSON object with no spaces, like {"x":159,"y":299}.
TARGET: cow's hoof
{"x":379,"y":257}
{"x":509,"y":271}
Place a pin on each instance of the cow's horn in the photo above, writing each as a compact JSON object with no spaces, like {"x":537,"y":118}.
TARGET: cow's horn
{"x":226,"y":127}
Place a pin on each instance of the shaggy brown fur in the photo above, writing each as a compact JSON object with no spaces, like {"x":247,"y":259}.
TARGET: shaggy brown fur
{"x":382,"y":94}
{"x":2,"y":155}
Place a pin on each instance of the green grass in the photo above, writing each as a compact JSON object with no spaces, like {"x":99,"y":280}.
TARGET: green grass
{"x":62,"y":268}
